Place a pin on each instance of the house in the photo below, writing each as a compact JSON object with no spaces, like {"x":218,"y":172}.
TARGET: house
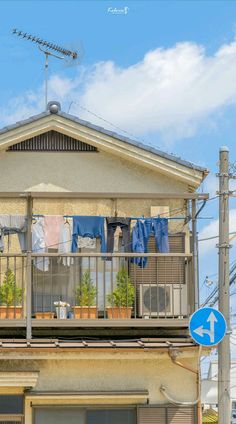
{"x":139,"y":365}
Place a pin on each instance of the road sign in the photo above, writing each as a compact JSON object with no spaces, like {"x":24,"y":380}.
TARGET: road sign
{"x":207,"y":326}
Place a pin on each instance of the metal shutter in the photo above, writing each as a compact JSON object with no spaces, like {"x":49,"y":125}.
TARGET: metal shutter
{"x":180,"y":415}
{"x":11,"y":419}
{"x":151,"y":415}
{"x":162,"y":270}
{"x":167,"y":415}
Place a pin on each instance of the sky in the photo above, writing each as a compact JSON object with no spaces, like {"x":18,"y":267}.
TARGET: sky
{"x":163,"y":72}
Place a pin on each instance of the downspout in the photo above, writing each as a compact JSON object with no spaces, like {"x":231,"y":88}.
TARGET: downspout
{"x":173,"y":356}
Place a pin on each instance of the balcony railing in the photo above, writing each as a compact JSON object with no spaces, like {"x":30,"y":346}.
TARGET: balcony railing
{"x":107,"y":288}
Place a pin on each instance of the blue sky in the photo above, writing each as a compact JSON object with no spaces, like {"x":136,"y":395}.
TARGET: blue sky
{"x":165,"y":72}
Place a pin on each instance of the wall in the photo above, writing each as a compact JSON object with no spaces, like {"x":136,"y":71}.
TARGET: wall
{"x":79,"y":172}
{"x":109,"y":371}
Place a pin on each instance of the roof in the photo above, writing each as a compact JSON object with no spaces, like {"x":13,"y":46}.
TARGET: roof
{"x":209,"y":416}
{"x":102,"y":130}
{"x":138,"y":345}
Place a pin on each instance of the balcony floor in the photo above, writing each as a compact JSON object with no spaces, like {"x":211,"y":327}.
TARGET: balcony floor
{"x":101,"y":323}
{"x":103,"y":328}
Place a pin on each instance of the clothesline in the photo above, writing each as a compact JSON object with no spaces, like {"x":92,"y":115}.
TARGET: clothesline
{"x":129,"y":217}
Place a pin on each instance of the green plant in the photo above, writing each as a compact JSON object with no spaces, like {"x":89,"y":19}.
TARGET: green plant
{"x":86,"y":292}
{"x":10,"y":294}
{"x":123,"y":295}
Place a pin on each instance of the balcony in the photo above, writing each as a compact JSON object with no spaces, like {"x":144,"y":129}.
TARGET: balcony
{"x":115,"y":295}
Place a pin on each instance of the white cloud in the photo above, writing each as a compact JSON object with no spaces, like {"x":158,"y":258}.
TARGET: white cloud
{"x":171,"y":91}
{"x":212,"y":229}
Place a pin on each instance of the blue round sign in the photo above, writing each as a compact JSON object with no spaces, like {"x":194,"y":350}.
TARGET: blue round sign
{"x":207,"y":326}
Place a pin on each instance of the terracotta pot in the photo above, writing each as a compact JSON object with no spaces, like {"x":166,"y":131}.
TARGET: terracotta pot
{"x":44,"y":315}
{"x":10,"y":312}
{"x":117,"y":312}
{"x":85,"y":312}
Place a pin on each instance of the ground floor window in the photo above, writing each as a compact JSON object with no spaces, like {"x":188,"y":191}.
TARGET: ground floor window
{"x":70,"y":415}
{"x":11,"y":409}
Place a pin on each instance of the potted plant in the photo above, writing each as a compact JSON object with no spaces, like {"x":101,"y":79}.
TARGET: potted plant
{"x":10,"y":297}
{"x":122,"y":298}
{"x":85,"y":298}
{"x":61,"y":309}
{"x":44,"y":315}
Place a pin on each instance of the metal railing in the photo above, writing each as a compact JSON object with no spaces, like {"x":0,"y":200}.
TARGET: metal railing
{"x":96,"y":286}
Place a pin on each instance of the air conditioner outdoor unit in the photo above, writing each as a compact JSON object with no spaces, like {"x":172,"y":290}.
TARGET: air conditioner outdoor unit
{"x":163,"y":300}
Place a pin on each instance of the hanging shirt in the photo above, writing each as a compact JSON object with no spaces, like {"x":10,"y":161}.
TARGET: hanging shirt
{"x":124,"y":225}
{"x":52,"y":228}
{"x":88,"y":226}
{"x":13,"y":224}
{"x":39,"y":245}
{"x":141,"y":233}
{"x":65,"y":240}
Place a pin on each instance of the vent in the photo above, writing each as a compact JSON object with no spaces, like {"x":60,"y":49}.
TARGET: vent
{"x":52,"y":141}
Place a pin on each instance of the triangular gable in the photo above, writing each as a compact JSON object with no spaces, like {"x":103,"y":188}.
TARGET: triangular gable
{"x":106,"y":141}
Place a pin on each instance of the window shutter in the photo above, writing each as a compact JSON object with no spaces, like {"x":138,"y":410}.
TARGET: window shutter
{"x":180,"y":415}
{"x":167,"y":415}
{"x":11,"y":420}
{"x":152,"y":415}
{"x":162,"y":270}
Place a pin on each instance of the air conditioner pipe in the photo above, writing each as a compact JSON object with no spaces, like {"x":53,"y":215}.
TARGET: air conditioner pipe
{"x":173,"y":355}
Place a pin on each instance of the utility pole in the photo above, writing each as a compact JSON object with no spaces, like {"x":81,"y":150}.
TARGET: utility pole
{"x":224,"y":404}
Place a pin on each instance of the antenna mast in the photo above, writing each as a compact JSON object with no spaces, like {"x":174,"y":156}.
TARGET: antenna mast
{"x":45,"y":47}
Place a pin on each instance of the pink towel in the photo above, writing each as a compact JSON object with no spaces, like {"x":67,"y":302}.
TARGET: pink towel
{"x":52,"y":227}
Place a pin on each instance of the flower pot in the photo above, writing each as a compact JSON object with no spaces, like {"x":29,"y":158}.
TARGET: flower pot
{"x":85,"y":312}
{"x":61,"y":312}
{"x":117,"y":312}
{"x":10,"y":312}
{"x":44,"y":315}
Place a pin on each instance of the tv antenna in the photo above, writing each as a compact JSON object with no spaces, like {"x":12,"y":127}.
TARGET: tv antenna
{"x":47,"y":48}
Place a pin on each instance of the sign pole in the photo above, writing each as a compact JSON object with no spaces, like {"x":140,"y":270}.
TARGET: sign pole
{"x":224,"y":404}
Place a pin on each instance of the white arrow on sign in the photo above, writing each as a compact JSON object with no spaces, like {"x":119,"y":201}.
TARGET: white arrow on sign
{"x":211,"y":333}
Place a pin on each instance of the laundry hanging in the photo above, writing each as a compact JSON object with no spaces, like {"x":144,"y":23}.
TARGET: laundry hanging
{"x":39,"y":245}
{"x":86,"y":243}
{"x":88,"y":226}
{"x":124,"y":224}
{"x":65,"y":239}
{"x":141,"y":234}
{"x":13,"y":224}
{"x":52,"y":229}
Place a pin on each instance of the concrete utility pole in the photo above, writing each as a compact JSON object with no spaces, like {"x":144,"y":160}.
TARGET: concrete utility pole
{"x":224,"y":404}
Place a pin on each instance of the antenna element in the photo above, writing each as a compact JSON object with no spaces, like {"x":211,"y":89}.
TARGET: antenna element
{"x":42,"y":44}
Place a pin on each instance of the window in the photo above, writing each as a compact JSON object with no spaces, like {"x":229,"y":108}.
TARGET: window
{"x":77,"y":415}
{"x":55,"y":415}
{"x":11,"y":409}
{"x":11,"y":404}
{"x":108,"y":416}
